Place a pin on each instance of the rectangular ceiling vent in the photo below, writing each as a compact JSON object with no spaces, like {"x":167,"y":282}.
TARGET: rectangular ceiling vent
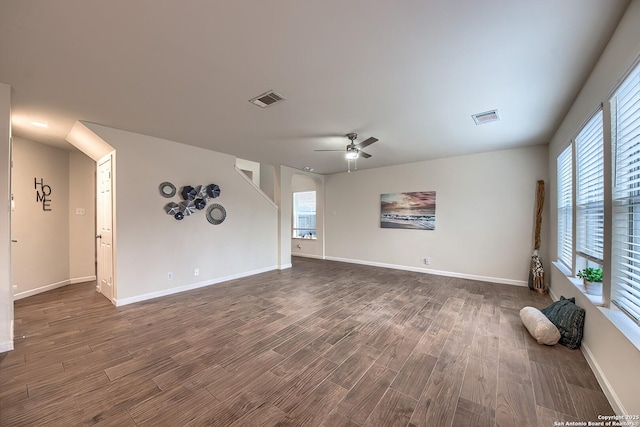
{"x":486,"y":117}
{"x":267,"y":99}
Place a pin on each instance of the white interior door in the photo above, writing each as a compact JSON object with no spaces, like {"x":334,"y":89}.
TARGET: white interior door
{"x":104,"y":225}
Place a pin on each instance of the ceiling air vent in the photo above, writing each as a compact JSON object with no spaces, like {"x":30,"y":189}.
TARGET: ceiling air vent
{"x":486,"y":117}
{"x":267,"y":98}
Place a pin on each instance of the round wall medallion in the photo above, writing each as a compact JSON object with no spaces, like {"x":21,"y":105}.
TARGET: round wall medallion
{"x":216,"y":214}
{"x":167,"y":189}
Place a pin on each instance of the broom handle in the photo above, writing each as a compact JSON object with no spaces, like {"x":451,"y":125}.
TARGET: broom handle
{"x":539,"y":205}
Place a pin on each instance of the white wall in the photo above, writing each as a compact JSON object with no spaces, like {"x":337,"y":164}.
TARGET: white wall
{"x":313,"y":248}
{"x":612,"y":355}
{"x":82,"y":227}
{"x":57,"y":247}
{"x":150,"y":243}
{"x":6,"y":293}
{"x":40,"y":257}
{"x":252,"y":170}
{"x":484,"y":215}
{"x":267,"y":180}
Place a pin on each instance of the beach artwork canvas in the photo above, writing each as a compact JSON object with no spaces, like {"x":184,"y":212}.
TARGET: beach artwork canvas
{"x":416,"y":211}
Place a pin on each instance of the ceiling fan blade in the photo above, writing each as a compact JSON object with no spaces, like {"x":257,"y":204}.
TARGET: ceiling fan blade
{"x":366,"y":142}
{"x":365,"y":155}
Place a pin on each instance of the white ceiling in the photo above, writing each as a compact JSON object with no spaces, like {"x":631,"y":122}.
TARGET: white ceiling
{"x":409,"y":72}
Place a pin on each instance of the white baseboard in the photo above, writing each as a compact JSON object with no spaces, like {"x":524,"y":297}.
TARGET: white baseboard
{"x":285,"y":266}
{"x":6,"y":346}
{"x":52,"y":286}
{"x":309,"y":256}
{"x":41,"y":289}
{"x":608,"y":391}
{"x":614,"y":401}
{"x":125,"y":301}
{"x":430,"y":271}
{"x":83,"y":279}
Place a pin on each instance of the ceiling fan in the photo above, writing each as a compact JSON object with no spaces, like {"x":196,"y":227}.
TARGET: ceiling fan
{"x":353,"y":150}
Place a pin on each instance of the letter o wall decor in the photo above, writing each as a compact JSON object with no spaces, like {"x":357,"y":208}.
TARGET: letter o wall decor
{"x":216,"y":214}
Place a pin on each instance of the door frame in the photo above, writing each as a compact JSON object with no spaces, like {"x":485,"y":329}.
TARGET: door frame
{"x":114,"y":282}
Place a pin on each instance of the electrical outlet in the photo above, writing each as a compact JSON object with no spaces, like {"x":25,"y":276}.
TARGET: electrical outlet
{"x":169,"y":276}
{"x":196,"y":271}
{"x":426,"y":260}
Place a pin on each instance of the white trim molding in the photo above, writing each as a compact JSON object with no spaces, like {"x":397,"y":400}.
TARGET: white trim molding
{"x":430,"y":271}
{"x":41,"y":289}
{"x":308,"y":256}
{"x":611,"y":395}
{"x":6,"y":346}
{"x":82,"y":279}
{"x":614,"y":401}
{"x":171,"y":291}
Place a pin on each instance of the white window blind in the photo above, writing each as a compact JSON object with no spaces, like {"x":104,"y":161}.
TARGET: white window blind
{"x":565,"y":207}
{"x":590,"y":190}
{"x":304,"y":214}
{"x":625,"y":129}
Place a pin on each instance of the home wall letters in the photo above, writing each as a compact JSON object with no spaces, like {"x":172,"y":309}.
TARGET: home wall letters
{"x":42,"y":195}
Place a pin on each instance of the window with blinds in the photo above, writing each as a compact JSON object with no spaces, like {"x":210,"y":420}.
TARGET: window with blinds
{"x":565,"y":207}
{"x":304,"y":214}
{"x":625,"y":133}
{"x":590,"y":190}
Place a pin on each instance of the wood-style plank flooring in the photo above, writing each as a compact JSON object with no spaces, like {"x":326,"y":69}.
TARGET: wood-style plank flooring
{"x":322,"y":344}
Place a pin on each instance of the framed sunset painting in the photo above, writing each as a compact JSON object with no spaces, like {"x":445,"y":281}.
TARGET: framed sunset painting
{"x":416,"y":211}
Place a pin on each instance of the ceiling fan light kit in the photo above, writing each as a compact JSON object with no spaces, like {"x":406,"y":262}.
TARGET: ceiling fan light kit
{"x":354,"y":151}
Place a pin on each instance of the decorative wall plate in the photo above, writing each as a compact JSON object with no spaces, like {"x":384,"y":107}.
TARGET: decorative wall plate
{"x":200,"y":203}
{"x":188,"y":192}
{"x":216,"y":214}
{"x":167,"y":190}
{"x":172,"y":208}
{"x":201,"y":193}
{"x":213,"y":190}
{"x":187,"y":207}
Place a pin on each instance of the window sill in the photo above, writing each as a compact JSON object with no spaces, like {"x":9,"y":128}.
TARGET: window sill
{"x":304,"y":238}
{"x":595,"y":299}
{"x":621,"y":321}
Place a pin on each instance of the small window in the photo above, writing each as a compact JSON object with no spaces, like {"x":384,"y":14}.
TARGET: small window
{"x":304,"y":215}
{"x":590,"y":190}
{"x":565,"y":207}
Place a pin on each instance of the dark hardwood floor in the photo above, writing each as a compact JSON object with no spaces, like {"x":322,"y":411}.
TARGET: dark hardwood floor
{"x":323,"y":344}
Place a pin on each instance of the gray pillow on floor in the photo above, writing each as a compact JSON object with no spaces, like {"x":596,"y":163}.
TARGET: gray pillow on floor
{"x":569,"y":319}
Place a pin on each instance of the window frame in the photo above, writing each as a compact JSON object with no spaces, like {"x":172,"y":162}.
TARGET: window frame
{"x":625,"y":231}
{"x":564,"y":171}
{"x":589,"y":189}
{"x":620,"y":209}
{"x":295,"y":217}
